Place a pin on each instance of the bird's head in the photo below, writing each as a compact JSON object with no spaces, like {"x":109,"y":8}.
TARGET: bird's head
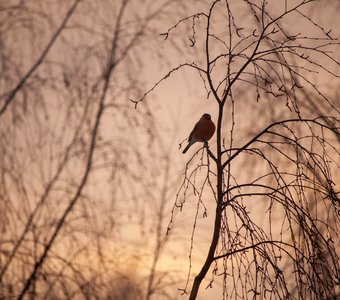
{"x":207,"y":116}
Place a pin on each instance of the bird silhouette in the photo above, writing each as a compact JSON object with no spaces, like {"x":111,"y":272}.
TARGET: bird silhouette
{"x":202,"y":132}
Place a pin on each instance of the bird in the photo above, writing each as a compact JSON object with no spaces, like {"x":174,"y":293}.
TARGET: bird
{"x":202,"y":132}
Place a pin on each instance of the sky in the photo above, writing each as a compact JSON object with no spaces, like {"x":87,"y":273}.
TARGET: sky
{"x":138,"y":167}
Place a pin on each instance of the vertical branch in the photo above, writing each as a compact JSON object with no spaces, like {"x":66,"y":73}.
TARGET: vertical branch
{"x":207,"y":53}
{"x":218,"y":211}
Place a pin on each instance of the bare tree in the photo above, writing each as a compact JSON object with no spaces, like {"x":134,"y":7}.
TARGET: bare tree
{"x":272,"y":179}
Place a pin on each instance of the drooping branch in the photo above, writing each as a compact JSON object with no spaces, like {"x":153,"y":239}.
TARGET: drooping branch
{"x":266,"y":130}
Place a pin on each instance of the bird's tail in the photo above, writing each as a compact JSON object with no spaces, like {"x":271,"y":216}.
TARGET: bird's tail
{"x":187,"y":147}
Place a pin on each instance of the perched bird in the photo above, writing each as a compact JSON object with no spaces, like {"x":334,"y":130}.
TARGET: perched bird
{"x":202,"y":132}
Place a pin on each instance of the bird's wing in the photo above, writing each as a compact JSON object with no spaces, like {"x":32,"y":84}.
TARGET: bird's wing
{"x":191,"y":133}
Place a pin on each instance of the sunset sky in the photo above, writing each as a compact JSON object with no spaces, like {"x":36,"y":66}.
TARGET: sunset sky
{"x":127,"y":176}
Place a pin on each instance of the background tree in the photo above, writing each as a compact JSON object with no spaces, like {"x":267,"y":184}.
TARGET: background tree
{"x":272,"y":178}
{"x":73,"y":165}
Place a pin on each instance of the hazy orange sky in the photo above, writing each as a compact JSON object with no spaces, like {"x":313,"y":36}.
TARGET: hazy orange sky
{"x":177,"y":103}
